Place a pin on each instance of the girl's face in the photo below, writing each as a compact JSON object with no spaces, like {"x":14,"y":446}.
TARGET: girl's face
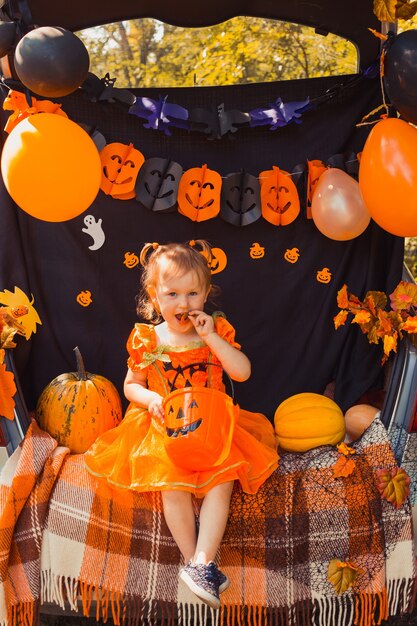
{"x":174,"y":296}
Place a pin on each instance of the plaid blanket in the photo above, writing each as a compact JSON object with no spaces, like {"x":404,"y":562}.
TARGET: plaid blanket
{"x":68,"y":539}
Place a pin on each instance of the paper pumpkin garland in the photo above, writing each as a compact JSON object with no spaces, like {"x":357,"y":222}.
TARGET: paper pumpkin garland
{"x":120,"y":167}
{"x":279,"y":197}
{"x":240,"y":199}
{"x":157,"y":184}
{"x":199,"y":193}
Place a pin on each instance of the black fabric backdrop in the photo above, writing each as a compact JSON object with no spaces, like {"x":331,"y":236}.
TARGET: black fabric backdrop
{"x":283,"y":315}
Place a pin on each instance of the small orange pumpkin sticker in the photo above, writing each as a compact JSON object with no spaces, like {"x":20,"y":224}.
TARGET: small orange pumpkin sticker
{"x":257,"y":251}
{"x":131,"y":260}
{"x":279,"y":197}
{"x":324,"y":275}
{"x":292,"y":255}
{"x":199,"y":193}
{"x":84,"y":298}
{"x":218,"y":260}
{"x":120,"y":167}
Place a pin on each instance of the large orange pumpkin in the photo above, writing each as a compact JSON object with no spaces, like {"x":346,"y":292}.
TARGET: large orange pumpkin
{"x":307,"y":420}
{"x":76,"y":407}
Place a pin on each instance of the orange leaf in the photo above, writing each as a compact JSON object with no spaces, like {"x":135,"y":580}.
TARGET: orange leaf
{"x":341,"y":574}
{"x":404,"y":296}
{"x":7,"y":390}
{"x":340,"y":319}
{"x":393,"y":485}
{"x":390,"y":343}
{"x":375,"y":299}
{"x":343,"y":448}
{"x":342,"y":298}
{"x":362,"y":317}
{"x":410,"y":325}
{"x":343,"y":467}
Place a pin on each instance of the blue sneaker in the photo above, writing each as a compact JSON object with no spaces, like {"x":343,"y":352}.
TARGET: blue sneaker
{"x":203,"y":580}
{"x":224,"y":582}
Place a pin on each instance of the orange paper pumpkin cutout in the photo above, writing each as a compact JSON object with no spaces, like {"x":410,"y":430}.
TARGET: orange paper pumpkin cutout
{"x":292,"y":255}
{"x":315,"y":170}
{"x":279,"y":197}
{"x":84,"y":298}
{"x":199,"y":193}
{"x":120,"y":167}
{"x":324,"y":275}
{"x":16,"y":101}
{"x":256,"y":251}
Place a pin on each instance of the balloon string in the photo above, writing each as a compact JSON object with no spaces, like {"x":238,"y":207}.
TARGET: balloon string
{"x":384,"y":104}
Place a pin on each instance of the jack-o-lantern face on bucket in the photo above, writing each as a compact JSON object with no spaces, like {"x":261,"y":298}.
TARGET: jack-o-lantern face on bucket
{"x":279,"y":197}
{"x":199,"y":193}
{"x":157,"y":184}
{"x":178,"y":423}
{"x":195,"y":438}
{"x":120,"y":167}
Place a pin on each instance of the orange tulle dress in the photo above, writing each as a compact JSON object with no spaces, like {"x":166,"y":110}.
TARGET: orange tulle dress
{"x":133,"y":455}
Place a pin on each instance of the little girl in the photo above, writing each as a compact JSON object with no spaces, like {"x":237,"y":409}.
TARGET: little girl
{"x":176,"y":283}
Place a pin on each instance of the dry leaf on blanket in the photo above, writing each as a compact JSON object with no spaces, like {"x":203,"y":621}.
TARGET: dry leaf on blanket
{"x":343,"y":467}
{"x":341,"y":574}
{"x":393,"y":485}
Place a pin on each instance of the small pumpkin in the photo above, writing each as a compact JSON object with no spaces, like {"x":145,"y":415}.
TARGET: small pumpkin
{"x":307,"y":420}
{"x":76,"y":407}
{"x":358,"y":418}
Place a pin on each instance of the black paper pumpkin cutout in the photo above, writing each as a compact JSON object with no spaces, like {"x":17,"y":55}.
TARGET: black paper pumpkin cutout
{"x":240,"y":202}
{"x":157,"y":184}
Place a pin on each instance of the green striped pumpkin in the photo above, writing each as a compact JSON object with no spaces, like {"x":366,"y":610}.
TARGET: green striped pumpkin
{"x":76,"y":407}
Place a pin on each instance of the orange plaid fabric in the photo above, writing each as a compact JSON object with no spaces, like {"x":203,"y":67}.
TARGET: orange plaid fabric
{"x":68,"y":539}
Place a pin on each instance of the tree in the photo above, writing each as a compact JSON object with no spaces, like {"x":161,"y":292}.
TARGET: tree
{"x":148,"y":53}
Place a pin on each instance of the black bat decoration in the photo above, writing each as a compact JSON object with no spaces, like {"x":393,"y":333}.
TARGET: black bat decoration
{"x":216,"y":122}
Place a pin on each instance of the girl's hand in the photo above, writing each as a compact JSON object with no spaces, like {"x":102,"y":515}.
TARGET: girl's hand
{"x":203,"y":323}
{"x":155,"y":407}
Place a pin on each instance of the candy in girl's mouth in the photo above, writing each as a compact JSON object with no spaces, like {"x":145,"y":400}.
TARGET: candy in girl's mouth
{"x":182,"y":317}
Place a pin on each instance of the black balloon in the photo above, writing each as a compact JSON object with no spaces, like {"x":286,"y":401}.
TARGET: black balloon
{"x":400,"y":74}
{"x":51,"y":61}
{"x":7,"y":36}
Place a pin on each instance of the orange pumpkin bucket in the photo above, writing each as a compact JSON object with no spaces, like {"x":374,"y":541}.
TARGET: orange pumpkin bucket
{"x":199,"y":424}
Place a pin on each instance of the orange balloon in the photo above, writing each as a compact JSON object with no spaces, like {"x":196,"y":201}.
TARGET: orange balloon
{"x":388,"y":176}
{"x":51,"y":167}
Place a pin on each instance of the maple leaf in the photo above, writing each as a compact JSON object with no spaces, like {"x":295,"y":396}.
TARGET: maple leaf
{"x":393,"y":485}
{"x":16,"y":300}
{"x":343,"y":448}
{"x":6,"y":337}
{"x":7,"y":390}
{"x":362,"y":317}
{"x":342,"y":298}
{"x":341,"y":574}
{"x":344,"y":466}
{"x":390,"y":343}
{"x":404,"y":296}
{"x":375,"y":299}
{"x":410,"y":325}
{"x":385,"y":10}
{"x":385,"y":323}
{"x":340,"y":319}
{"x":405,"y":10}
